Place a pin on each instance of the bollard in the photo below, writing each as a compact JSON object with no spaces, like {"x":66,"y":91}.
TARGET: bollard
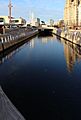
{"x":2,"y":42}
{"x":5,"y":40}
{"x":10,"y":37}
{"x":2,"y":39}
{"x":3,"y":29}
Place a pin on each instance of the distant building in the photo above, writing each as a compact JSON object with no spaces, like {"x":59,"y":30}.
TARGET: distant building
{"x":35,"y":22}
{"x":56,"y":23}
{"x":18,"y":21}
{"x":51,"y":22}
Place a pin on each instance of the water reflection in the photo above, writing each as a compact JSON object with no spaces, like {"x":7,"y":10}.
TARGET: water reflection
{"x":4,"y":57}
{"x":45,"y":39}
{"x":32,"y":43}
{"x":37,"y":82}
{"x":72,"y":54}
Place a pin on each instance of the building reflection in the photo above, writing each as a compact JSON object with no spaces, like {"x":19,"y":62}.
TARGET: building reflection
{"x":72,"y":54}
{"x":45,"y":39}
{"x":32,"y":43}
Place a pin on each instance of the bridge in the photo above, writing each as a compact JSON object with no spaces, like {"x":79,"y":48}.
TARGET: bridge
{"x":46,"y":29}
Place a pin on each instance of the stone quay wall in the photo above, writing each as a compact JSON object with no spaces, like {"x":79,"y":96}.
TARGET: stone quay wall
{"x":73,"y":36}
{"x":14,"y":37}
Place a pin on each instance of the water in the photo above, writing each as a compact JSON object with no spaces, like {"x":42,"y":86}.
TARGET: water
{"x":42,"y":78}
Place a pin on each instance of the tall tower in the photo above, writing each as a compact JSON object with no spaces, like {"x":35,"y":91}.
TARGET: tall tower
{"x":10,"y":10}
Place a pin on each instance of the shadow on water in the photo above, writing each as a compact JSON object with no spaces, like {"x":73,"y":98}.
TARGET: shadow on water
{"x":13,"y":50}
{"x":42,"y":34}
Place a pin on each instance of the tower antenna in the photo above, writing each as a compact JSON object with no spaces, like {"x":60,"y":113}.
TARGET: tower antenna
{"x":10,"y":10}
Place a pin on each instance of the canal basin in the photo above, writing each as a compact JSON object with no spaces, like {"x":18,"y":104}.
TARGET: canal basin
{"x":42,"y":78}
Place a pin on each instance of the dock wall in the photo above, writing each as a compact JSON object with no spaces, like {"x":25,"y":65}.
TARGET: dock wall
{"x":15,"y":37}
{"x":7,"y":110}
{"x":71,"y":36}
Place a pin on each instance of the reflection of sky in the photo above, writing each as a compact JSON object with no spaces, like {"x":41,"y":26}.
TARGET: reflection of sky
{"x":44,"y":9}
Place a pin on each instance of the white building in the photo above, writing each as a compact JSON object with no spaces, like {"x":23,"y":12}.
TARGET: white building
{"x":35,"y":22}
{"x":6,"y":19}
{"x":18,"y":21}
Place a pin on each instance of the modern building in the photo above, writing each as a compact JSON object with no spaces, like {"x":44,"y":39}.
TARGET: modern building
{"x":72,"y":13}
{"x":6,"y":19}
{"x":35,"y":22}
{"x":51,"y":22}
{"x":16,"y":21}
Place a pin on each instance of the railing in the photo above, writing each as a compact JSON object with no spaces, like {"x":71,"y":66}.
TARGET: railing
{"x":14,"y":36}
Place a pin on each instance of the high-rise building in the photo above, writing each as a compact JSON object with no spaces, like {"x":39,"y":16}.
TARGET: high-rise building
{"x":72,"y":13}
{"x":79,"y":12}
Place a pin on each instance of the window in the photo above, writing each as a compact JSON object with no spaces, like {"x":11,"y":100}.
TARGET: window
{"x":1,"y":19}
{"x":78,"y":2}
{"x":16,"y":21}
{"x":72,"y":0}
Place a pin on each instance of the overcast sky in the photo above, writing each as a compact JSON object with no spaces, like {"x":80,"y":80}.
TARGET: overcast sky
{"x":44,"y":9}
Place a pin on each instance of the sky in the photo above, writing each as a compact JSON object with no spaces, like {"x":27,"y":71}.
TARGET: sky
{"x":43,"y":9}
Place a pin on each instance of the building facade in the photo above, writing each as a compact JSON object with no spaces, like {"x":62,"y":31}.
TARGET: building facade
{"x":16,"y":21}
{"x":6,"y":19}
{"x":72,"y":13}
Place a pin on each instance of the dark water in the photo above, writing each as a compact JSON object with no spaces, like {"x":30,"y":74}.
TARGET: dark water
{"x":42,"y":78}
